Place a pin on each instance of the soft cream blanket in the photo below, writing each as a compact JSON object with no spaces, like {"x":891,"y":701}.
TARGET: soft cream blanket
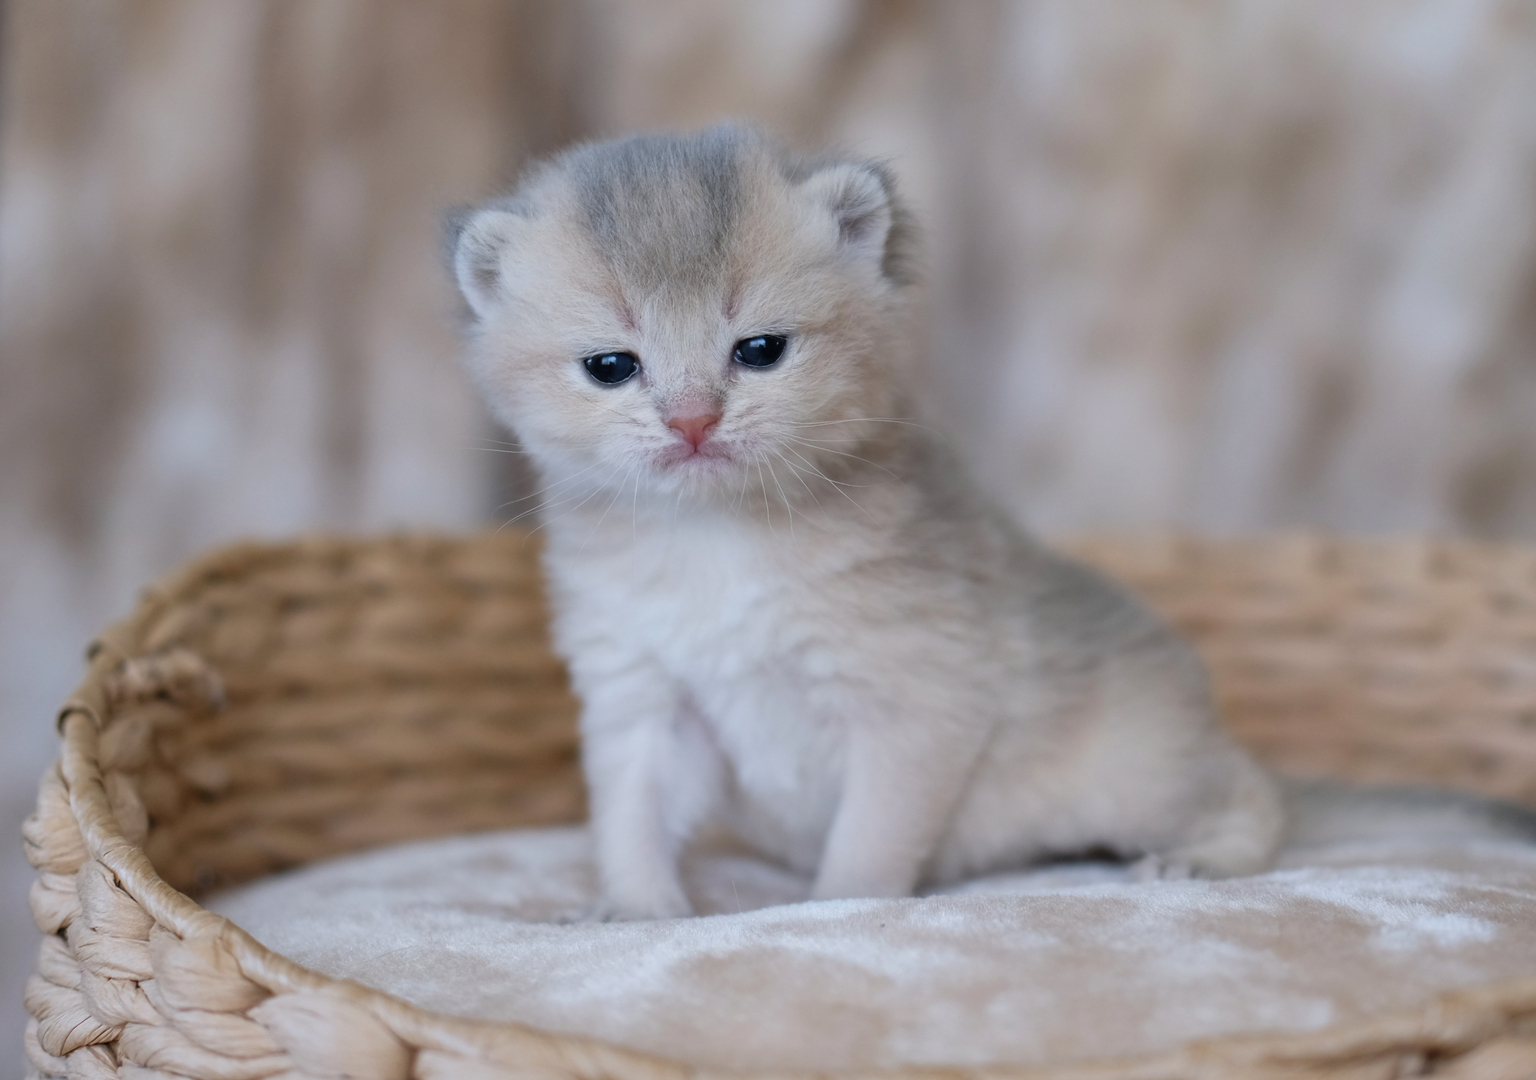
{"x":1375,"y":906}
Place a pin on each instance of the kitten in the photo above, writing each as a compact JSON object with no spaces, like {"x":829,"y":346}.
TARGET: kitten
{"x":786,"y":612}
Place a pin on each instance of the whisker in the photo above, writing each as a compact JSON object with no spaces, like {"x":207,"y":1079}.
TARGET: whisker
{"x":634,"y":510}
{"x":767,"y":506}
{"x":498,"y":446}
{"x":824,"y":476}
{"x":519,"y":517}
{"x":617,"y":493}
{"x":828,"y":479}
{"x":788,"y":509}
{"x":810,"y":490}
{"x":554,"y":500}
{"x":843,"y":453}
{"x":545,"y":505}
{"x":741,"y":496}
{"x":590,"y":496}
{"x":622,"y":416}
{"x":869,"y":420}
{"x":549,"y":487}
{"x":526,"y":453}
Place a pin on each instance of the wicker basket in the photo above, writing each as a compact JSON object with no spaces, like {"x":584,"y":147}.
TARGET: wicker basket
{"x":272,"y":705}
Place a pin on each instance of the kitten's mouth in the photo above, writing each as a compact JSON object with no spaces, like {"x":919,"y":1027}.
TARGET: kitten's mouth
{"x":684,"y":456}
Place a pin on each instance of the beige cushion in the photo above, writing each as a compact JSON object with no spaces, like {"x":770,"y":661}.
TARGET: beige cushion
{"x":1368,"y":912}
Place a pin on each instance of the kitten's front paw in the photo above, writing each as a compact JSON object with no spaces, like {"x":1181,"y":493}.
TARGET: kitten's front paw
{"x":611,"y":909}
{"x":1160,"y":868}
{"x":593,"y":911}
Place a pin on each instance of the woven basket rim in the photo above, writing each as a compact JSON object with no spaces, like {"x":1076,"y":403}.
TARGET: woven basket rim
{"x":1453,"y":1023}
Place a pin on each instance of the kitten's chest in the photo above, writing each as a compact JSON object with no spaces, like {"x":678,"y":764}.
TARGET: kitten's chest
{"x":732,"y":620}
{"x":715,"y":602}
{"x":746,"y":629}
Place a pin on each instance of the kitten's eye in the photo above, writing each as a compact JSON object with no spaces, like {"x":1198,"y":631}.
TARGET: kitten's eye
{"x":761,"y":351}
{"x":613,"y":367}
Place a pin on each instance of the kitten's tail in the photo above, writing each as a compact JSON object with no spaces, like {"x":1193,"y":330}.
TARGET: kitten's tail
{"x":1324,"y":812}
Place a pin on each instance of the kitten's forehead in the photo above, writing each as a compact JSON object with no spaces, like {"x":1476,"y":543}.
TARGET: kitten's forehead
{"x":663,"y":208}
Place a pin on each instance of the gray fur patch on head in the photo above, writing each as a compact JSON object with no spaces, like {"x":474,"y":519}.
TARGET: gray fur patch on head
{"x":662,"y":207}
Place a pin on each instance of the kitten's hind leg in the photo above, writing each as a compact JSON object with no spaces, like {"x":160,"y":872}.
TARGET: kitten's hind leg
{"x":1240,"y":838}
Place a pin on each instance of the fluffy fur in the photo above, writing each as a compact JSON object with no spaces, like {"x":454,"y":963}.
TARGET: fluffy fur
{"x":809,"y":630}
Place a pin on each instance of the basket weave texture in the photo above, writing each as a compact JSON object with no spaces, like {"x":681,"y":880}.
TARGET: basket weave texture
{"x":273,"y":705}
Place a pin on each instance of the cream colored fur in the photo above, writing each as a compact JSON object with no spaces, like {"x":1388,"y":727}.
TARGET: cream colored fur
{"x":812,"y":632}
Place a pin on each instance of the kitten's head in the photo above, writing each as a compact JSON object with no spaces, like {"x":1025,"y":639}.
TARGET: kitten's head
{"x":677,"y":312}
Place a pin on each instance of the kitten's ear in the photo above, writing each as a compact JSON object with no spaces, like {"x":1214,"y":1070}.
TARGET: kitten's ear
{"x":478,"y":241}
{"x":857,"y":197}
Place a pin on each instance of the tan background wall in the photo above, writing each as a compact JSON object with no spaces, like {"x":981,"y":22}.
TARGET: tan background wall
{"x":1220,"y":264}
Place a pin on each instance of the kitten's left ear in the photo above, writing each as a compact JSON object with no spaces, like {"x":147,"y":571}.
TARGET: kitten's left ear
{"x":478,"y":241}
{"x":859,"y":200}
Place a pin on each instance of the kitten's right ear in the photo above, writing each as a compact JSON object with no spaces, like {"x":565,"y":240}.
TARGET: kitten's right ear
{"x":858,"y":197}
{"x":479,"y":241}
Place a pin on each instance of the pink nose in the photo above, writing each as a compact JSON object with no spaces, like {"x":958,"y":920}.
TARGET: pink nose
{"x":695,"y":429}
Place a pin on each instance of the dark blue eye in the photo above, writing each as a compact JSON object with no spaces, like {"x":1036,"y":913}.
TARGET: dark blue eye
{"x":613,"y":367}
{"x":761,"y":351}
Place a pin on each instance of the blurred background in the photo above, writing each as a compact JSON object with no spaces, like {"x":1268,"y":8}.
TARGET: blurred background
{"x":1220,"y":265}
